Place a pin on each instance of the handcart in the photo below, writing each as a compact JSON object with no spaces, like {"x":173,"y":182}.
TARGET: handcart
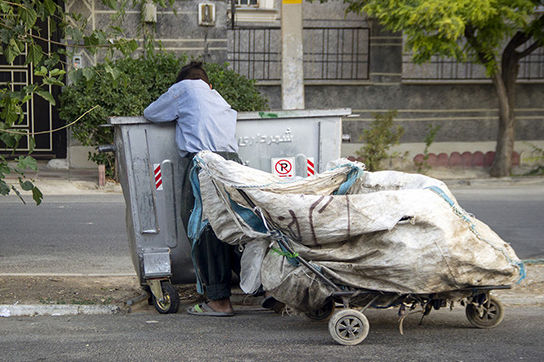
{"x":349,"y":326}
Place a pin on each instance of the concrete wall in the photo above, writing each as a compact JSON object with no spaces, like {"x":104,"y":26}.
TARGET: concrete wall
{"x":466,"y":113}
{"x":466,"y":109}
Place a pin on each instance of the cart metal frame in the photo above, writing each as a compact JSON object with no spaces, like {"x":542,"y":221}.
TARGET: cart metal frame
{"x":349,"y":326}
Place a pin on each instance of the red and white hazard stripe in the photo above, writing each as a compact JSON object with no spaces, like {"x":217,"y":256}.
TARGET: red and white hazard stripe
{"x":158,"y":176}
{"x":310,"y":168}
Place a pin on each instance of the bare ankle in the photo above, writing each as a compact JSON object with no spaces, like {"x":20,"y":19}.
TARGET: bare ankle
{"x":221,"y":305}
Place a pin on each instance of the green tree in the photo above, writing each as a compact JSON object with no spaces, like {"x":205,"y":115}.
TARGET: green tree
{"x":475,"y":30}
{"x":20,"y":36}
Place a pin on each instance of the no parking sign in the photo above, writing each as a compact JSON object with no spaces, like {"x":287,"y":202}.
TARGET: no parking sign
{"x":283,"y":167}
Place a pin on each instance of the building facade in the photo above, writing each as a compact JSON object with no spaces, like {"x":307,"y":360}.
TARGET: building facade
{"x":349,"y":61}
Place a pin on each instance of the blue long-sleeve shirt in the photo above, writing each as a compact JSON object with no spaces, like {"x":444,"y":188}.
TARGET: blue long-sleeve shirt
{"x":205,"y":121}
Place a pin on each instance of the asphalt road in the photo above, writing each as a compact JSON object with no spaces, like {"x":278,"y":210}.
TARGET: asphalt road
{"x":86,"y":233}
{"x":65,"y":234}
{"x":254,"y":335}
{"x":515,"y":213}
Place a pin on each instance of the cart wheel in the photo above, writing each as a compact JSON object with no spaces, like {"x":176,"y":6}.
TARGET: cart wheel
{"x":348,"y":327}
{"x":322,"y":313}
{"x":170,"y":302}
{"x":487,"y":315}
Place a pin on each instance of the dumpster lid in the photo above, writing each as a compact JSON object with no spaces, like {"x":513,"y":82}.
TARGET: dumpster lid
{"x":301,"y":113}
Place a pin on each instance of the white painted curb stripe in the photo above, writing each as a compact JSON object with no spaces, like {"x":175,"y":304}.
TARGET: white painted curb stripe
{"x":67,"y":275}
{"x":55,"y":310}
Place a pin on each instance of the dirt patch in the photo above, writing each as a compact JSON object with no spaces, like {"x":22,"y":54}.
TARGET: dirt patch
{"x":77,"y":290}
{"x":119,"y":290}
{"x":529,"y":292}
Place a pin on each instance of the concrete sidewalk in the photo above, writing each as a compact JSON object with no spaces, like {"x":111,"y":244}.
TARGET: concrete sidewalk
{"x":73,"y":181}
{"x":66,"y":181}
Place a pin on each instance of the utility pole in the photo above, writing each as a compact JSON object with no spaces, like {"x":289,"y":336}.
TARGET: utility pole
{"x":292,"y":64}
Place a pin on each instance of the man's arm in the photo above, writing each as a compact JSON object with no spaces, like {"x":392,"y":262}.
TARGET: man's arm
{"x":163,"y":109}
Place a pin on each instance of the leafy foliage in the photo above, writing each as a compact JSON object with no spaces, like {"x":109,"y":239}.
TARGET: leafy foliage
{"x":126,"y":86}
{"x":434,"y":27}
{"x":20,"y":37}
{"x":237,"y":90}
{"x":19,"y":167}
{"x":494,"y":33}
{"x":424,"y":166}
{"x":378,"y":139}
{"x":537,"y":159}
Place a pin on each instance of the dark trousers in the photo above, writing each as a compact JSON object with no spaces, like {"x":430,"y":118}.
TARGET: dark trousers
{"x":215,"y":260}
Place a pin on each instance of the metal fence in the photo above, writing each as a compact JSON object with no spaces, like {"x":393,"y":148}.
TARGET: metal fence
{"x":444,"y":69}
{"x":532,"y":66}
{"x":330,"y":53}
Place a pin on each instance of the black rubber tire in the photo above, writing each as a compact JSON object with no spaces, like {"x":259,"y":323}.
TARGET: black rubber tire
{"x":348,"y":327}
{"x":323,"y":313}
{"x":492,"y":314}
{"x":171,"y":299}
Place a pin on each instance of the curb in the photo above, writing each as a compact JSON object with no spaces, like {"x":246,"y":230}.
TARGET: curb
{"x":520,"y":301}
{"x":495,"y":182}
{"x":56,"y":310}
{"x":533,"y":261}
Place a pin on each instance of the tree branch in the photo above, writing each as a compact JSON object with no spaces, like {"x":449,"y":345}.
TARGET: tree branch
{"x":74,"y":45}
{"x":473,"y":41}
{"x":518,"y":39}
{"x":525,"y":36}
{"x":529,"y":50}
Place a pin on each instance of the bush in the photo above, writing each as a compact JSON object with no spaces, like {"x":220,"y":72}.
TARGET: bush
{"x":126,"y":86}
{"x":237,"y":90}
{"x":424,"y":166}
{"x":537,"y":158}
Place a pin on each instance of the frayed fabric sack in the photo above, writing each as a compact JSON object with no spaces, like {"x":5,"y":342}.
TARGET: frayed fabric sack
{"x":388,"y":231}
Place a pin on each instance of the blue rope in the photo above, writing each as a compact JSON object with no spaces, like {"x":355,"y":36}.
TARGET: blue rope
{"x":522,"y":272}
{"x":352,"y":176}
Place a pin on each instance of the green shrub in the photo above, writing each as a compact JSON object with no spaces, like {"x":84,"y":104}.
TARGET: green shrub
{"x":378,"y":140}
{"x":537,"y":158}
{"x":432,"y":130}
{"x":126,"y":86}
{"x":237,"y":90}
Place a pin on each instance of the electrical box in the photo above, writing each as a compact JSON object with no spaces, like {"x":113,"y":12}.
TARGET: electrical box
{"x":77,"y":61}
{"x":206,"y":14}
{"x":149,"y":13}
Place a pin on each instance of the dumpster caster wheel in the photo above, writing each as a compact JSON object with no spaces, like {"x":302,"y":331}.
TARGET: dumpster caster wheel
{"x":322,"y":313}
{"x":487,"y":315}
{"x":348,"y":327}
{"x":170,"y":299}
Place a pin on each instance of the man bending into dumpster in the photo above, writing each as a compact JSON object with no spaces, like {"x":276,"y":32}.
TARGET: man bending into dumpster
{"x":205,"y":121}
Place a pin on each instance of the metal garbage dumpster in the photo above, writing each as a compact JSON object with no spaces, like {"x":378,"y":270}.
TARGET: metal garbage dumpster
{"x":287,"y":143}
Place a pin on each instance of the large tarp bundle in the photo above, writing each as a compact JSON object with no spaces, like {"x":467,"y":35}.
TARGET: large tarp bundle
{"x":386,"y":231}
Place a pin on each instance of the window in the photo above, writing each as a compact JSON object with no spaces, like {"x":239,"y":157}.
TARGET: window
{"x":247,"y":3}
